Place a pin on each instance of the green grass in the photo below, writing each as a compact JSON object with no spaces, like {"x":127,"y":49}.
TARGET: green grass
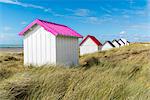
{"x":118,"y":74}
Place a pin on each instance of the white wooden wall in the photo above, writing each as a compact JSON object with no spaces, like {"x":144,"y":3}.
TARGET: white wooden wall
{"x":39,"y":47}
{"x":88,"y":47}
{"x":67,"y":50}
{"x":107,"y":46}
{"x":115,"y":44}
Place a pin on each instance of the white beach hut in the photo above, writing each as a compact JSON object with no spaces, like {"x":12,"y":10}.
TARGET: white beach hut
{"x":121,"y":42}
{"x":125,"y":41}
{"x":50,"y":43}
{"x":116,"y":43}
{"x":128,"y":43}
{"x":107,"y":46}
{"x":89,"y":45}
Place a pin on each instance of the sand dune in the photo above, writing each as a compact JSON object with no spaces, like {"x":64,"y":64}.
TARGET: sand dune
{"x":11,"y":49}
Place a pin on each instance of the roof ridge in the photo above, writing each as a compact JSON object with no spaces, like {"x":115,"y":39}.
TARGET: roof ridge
{"x":109,"y":43}
{"x":122,"y":40}
{"x":54,"y":28}
{"x":116,"y":41}
{"x":52,"y":23}
{"x":94,"y":39}
{"x":48,"y":26}
{"x":91,"y":35}
{"x":57,"y":24}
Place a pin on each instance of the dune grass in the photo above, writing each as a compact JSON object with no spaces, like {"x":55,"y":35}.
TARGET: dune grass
{"x":118,"y":74}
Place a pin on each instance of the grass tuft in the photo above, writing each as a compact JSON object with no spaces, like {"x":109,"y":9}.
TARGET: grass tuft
{"x":118,"y":74}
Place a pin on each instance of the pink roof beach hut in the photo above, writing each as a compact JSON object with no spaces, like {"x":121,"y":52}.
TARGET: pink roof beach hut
{"x":49,"y":43}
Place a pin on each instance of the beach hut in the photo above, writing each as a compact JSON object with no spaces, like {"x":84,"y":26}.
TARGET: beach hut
{"x":89,"y":45}
{"x":121,"y":42}
{"x":116,"y":43}
{"x":107,"y":46}
{"x":125,"y":41}
{"x":49,"y":43}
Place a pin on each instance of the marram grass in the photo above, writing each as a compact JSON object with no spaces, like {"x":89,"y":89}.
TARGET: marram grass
{"x":118,"y":74}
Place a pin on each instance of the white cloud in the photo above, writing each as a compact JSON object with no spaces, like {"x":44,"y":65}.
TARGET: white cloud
{"x":80,"y":12}
{"x":131,"y":2}
{"x":93,"y":20}
{"x":107,"y":15}
{"x":106,"y":10}
{"x":16,"y":2}
{"x":115,"y":9}
{"x":145,"y":26}
{"x":23,"y":23}
{"x":96,"y":20}
{"x":7,"y":28}
{"x":85,"y":16}
{"x":123,"y":32}
{"x":135,"y":11}
{"x":9,"y":38}
{"x":126,"y":16}
{"x":53,"y":13}
{"x":48,"y":10}
{"x":85,"y":19}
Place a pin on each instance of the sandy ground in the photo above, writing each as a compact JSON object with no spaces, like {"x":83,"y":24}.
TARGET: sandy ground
{"x":11,"y":50}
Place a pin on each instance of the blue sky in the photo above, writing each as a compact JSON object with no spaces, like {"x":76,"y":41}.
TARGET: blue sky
{"x":105,"y":19}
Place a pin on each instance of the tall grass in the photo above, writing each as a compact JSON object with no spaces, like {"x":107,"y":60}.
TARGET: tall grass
{"x":119,"y":74}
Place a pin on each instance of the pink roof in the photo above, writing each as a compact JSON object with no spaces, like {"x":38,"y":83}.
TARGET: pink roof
{"x":55,"y":29}
{"x":93,"y":38}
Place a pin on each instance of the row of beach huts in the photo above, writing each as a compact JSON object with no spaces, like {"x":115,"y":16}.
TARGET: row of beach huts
{"x":90,"y":44}
{"x":55,"y":44}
